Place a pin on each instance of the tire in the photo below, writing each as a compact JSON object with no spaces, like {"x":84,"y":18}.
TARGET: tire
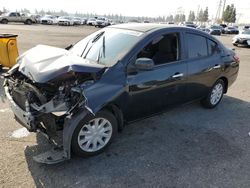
{"x":4,"y":21}
{"x":213,"y":99}
{"x":235,"y":44}
{"x":87,"y":142}
{"x":28,"y":22}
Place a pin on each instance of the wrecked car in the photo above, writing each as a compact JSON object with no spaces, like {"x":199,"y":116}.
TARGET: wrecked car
{"x":116,"y":75}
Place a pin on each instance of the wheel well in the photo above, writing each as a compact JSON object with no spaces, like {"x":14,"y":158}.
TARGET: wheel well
{"x":115,"y":110}
{"x":28,"y":20}
{"x":226,"y":83}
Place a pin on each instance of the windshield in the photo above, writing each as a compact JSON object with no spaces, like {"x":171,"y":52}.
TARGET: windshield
{"x":106,"y":46}
{"x":47,"y":16}
{"x":65,"y":17}
{"x":215,"y":27}
{"x":246,"y":32}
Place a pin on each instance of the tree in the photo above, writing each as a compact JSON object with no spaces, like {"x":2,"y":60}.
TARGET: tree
{"x":229,"y":15}
{"x":233,"y":14}
{"x":170,"y":18}
{"x":200,"y":16}
{"x":177,"y":18}
{"x":205,"y":15}
{"x":191,"y":16}
{"x":182,"y":18}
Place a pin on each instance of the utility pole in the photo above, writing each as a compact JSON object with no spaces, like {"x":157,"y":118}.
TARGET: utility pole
{"x":223,"y":9}
{"x":217,"y":17}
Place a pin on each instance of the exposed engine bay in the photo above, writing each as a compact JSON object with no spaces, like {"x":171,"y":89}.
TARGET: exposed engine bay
{"x":53,"y":93}
{"x":47,"y":104}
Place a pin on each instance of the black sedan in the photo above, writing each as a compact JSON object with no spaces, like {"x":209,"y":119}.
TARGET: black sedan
{"x":112,"y":77}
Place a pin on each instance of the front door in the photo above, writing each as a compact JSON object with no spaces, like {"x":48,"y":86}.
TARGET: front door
{"x":151,"y":91}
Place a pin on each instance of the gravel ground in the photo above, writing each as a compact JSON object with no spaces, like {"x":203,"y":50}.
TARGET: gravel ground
{"x":185,"y":147}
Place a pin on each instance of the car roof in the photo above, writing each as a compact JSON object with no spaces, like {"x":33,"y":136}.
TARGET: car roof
{"x":146,"y":27}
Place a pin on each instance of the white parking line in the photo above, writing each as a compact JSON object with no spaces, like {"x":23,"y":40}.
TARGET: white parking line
{"x":5,"y":110}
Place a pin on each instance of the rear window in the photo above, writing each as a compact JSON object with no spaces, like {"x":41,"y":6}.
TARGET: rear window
{"x":197,"y":45}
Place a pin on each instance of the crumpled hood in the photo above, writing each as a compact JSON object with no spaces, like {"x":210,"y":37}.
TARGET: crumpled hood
{"x":44,"y":63}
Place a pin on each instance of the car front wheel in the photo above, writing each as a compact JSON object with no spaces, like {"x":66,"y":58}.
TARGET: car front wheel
{"x":215,"y":95}
{"x":93,"y":136}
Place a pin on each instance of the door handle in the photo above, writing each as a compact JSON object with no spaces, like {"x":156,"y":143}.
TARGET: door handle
{"x":178,"y":75}
{"x":217,"y":67}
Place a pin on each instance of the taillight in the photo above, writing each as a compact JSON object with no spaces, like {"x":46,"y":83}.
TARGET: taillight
{"x":236,"y":58}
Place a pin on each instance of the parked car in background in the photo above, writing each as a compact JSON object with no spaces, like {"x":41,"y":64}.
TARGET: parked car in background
{"x":102,"y":22}
{"x":242,"y":39}
{"x":223,"y":28}
{"x":118,"y":74}
{"x":37,"y":17}
{"x":84,"y":21}
{"x":49,"y":20}
{"x":214,"y":30}
{"x":202,"y":27}
{"x":245,"y":27}
{"x":77,"y":21}
{"x":189,"y":24}
{"x":231,"y":30}
{"x":91,"y":21}
{"x":16,"y":17}
{"x":66,"y":21}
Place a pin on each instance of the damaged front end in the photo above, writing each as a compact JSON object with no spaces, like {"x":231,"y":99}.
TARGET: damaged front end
{"x":45,"y":107}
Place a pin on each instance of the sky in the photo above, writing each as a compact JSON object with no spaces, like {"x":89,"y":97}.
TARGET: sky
{"x":151,"y":8}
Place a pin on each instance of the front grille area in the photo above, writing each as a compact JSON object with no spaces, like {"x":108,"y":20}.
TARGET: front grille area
{"x":19,"y":97}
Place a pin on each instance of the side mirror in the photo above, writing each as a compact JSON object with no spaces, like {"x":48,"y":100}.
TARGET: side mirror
{"x":144,"y":64}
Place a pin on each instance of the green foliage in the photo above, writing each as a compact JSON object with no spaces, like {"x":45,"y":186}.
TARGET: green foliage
{"x":191,"y":16}
{"x":203,"y":15}
{"x":180,"y":18}
{"x":229,"y":15}
{"x":170,"y":18}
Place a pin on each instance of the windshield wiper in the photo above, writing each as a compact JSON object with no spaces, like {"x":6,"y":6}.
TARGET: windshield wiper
{"x":103,"y":50}
{"x":96,"y":38}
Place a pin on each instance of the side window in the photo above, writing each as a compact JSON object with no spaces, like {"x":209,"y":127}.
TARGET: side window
{"x":212,"y":47}
{"x":163,"y":49}
{"x":197,"y":46}
{"x":13,"y":14}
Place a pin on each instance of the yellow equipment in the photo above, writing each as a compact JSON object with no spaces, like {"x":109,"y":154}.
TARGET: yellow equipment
{"x":8,"y":50}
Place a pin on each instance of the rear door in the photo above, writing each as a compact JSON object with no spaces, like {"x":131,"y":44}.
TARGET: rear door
{"x":204,"y":64}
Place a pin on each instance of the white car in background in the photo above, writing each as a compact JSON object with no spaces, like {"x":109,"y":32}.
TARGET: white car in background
{"x":91,"y":21}
{"x":77,"y":21}
{"x":49,"y":20}
{"x":66,"y":20}
{"x":242,"y":39}
{"x":102,"y":22}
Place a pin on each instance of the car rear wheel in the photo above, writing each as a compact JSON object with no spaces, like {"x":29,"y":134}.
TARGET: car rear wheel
{"x":215,"y":95}
{"x":93,"y":136}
